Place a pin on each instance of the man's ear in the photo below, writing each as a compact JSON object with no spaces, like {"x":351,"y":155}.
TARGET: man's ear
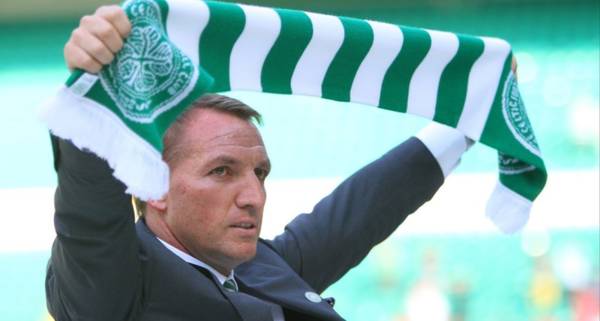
{"x":158,"y":205}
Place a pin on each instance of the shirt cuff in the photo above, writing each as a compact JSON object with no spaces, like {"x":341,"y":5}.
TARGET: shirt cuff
{"x":446,"y":144}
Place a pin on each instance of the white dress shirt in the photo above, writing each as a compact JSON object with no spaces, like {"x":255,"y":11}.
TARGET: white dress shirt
{"x":446,"y":144}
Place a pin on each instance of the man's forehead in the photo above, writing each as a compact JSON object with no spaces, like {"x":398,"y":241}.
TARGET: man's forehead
{"x":228,"y":150}
{"x":231,"y":138}
{"x":217,"y":128}
{"x":248,"y":138}
{"x":254,"y":156}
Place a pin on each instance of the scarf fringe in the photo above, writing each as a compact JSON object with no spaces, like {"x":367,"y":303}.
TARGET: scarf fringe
{"x":91,"y":126}
{"x":508,"y":210}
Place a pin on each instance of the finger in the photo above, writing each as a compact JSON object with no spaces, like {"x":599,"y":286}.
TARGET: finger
{"x":78,"y":58}
{"x":103,"y":31}
{"x":117,"y":17}
{"x":92,"y":46}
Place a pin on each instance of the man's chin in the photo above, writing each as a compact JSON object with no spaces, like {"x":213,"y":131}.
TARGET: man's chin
{"x":246,"y":252}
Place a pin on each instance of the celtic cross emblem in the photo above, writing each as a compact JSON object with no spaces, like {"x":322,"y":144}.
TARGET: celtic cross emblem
{"x":149,"y":73}
{"x":515,"y":115}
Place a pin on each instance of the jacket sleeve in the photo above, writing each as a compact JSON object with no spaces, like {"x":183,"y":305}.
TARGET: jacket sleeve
{"x":93,"y":273}
{"x":364,"y":210}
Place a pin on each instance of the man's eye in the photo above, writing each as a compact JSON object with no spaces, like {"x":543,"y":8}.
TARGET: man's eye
{"x":219,"y":171}
{"x":261,"y":173}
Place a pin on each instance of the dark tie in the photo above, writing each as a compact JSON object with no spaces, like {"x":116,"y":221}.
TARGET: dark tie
{"x":229,"y":284}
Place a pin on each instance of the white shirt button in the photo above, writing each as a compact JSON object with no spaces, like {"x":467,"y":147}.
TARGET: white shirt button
{"x":313,"y":297}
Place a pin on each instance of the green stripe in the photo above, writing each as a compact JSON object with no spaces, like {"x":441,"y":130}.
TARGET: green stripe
{"x":452,"y":92}
{"x":296,"y":32}
{"x":76,"y":74}
{"x":394,"y":92}
{"x":225,"y":24}
{"x":358,"y":38}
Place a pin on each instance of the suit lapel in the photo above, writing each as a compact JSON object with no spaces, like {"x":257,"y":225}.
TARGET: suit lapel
{"x":269,"y":277}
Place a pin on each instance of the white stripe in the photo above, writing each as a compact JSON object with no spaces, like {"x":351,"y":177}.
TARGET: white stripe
{"x":83,"y":84}
{"x":483,"y":84}
{"x":424,"y":84}
{"x":185,"y":22}
{"x":387,"y":42}
{"x":327,"y":39}
{"x":252,"y":47}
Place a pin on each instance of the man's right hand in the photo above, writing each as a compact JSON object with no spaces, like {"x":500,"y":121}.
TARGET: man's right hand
{"x":97,"y":39}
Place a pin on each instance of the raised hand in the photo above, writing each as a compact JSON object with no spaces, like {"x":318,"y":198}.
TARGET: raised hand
{"x":97,"y":39}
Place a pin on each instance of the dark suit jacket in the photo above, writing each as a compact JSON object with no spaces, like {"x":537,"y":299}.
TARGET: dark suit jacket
{"x":106,"y":267}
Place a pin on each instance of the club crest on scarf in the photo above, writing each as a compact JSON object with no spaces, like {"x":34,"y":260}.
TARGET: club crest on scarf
{"x":149,"y":72}
{"x":515,"y":115}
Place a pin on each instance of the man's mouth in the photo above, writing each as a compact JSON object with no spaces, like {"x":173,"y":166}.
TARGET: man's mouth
{"x":246,"y":226}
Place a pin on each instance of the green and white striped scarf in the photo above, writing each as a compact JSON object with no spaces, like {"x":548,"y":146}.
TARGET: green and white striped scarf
{"x":180,"y":49}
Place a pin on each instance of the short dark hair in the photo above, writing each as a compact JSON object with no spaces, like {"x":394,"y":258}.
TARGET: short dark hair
{"x":216,"y":102}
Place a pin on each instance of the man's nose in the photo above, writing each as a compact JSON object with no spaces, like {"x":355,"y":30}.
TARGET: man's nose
{"x":252,"y":193}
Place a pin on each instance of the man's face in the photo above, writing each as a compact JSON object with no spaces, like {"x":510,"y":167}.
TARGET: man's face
{"x":216,"y":197}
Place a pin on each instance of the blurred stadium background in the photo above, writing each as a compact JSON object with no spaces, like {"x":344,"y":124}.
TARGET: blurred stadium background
{"x":446,"y":262}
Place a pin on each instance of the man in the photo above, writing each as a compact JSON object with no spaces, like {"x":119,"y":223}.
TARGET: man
{"x":196,"y":253}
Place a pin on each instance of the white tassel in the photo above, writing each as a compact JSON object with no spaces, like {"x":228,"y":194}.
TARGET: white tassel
{"x":91,"y":126}
{"x":508,"y":210}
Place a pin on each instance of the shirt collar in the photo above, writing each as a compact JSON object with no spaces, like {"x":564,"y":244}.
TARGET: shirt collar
{"x":192,"y":260}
